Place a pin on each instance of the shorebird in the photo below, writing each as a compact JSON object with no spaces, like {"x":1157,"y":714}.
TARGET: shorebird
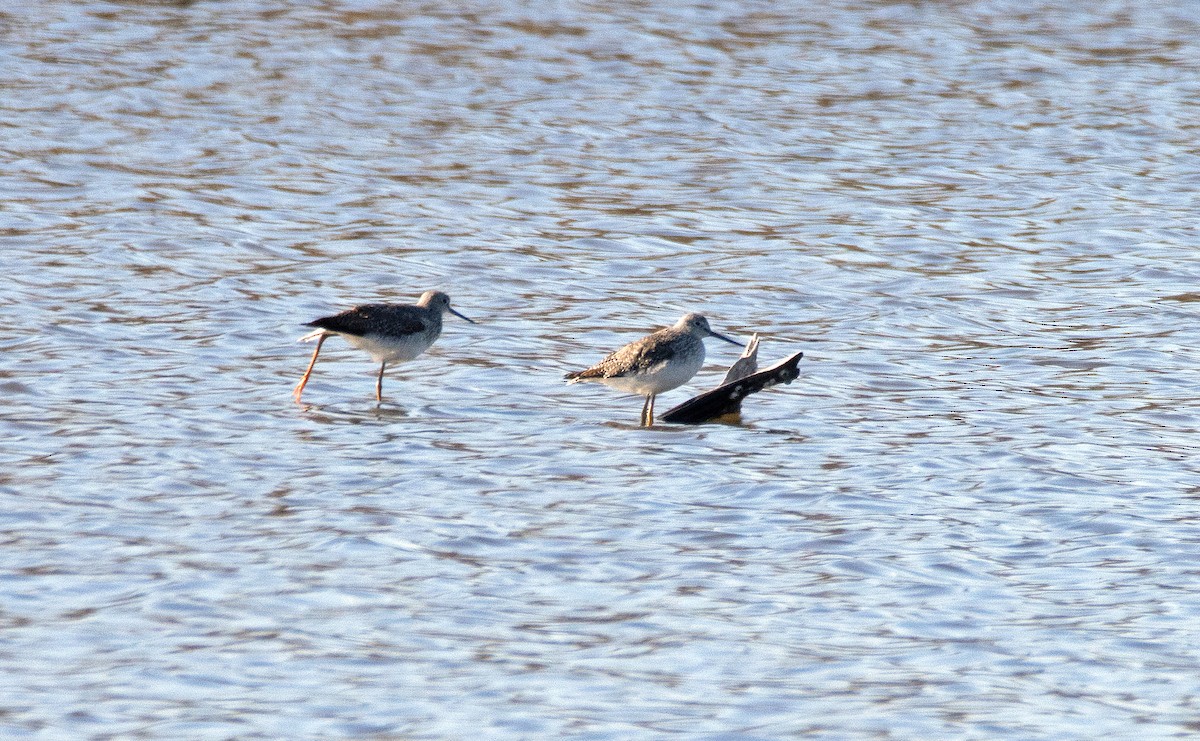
{"x":391,"y":333}
{"x":656,"y":363}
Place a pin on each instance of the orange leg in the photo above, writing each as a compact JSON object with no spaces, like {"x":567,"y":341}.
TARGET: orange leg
{"x":304,"y":381}
{"x":379,"y":382}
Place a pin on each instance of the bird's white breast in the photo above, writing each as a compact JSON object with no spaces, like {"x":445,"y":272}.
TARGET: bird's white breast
{"x":388,"y":349}
{"x":660,"y":378}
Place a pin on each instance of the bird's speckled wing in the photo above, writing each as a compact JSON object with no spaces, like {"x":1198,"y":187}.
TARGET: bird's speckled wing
{"x":374,"y":319}
{"x":635,"y":358}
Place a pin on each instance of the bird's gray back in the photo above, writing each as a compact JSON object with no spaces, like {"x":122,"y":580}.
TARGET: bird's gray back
{"x":646,"y":354}
{"x":391,"y":320}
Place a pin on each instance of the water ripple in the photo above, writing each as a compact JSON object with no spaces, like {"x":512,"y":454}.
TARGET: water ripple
{"x":970,"y":516}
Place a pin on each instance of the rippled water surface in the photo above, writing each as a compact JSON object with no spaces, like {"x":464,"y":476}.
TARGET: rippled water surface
{"x":973,"y":516}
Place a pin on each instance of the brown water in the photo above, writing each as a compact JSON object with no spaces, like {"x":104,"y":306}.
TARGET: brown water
{"x":973,"y":516}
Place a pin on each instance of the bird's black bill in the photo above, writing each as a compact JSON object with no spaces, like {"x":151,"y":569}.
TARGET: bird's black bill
{"x":723,"y":337}
{"x":460,"y":316}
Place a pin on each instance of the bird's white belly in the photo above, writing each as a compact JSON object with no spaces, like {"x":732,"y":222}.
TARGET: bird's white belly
{"x":391,"y":349}
{"x":658,"y":379}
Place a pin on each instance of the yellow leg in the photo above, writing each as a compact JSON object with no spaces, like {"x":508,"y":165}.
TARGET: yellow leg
{"x":304,"y":381}
{"x":648,"y":411}
{"x":379,"y":382}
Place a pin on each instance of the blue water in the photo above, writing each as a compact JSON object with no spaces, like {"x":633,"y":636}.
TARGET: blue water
{"x":973,"y":516}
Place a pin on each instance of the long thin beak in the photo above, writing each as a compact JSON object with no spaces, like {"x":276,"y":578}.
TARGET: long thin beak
{"x":460,"y":316}
{"x":723,"y":337}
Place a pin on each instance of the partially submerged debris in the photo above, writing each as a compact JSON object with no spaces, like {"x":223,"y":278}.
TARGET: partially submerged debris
{"x":741,"y":380}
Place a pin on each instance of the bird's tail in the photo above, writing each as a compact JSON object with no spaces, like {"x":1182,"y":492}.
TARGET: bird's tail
{"x":583,"y":375}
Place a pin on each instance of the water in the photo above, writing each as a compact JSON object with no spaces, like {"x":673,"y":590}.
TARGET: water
{"x":973,"y":516}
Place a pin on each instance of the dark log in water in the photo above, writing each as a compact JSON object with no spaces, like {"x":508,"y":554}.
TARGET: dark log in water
{"x":726,"y":399}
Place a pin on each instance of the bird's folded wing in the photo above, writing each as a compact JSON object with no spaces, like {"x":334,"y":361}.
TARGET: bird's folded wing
{"x":373,"y":319}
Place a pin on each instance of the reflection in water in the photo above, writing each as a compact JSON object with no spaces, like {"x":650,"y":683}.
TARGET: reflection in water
{"x":968,"y":517}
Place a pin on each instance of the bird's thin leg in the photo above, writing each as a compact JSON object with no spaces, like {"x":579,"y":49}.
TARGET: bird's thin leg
{"x":648,"y":411}
{"x":379,"y":382}
{"x":304,"y":381}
